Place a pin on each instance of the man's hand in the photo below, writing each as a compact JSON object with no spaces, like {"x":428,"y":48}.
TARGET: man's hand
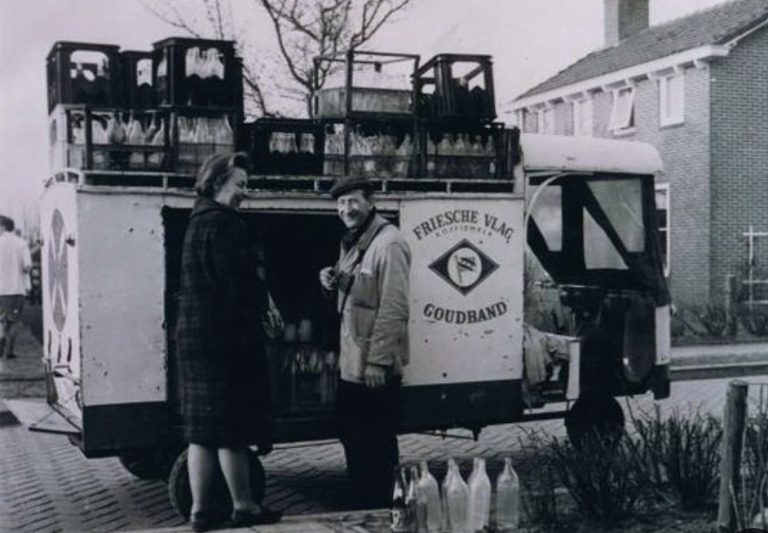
{"x":375,"y":376}
{"x":328,"y":278}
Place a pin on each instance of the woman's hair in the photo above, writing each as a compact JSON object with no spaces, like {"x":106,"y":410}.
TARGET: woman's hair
{"x":217,"y":169}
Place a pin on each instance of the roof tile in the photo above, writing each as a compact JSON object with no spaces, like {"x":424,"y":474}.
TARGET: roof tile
{"x":716,"y":25}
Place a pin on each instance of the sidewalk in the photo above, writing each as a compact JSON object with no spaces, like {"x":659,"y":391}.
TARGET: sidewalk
{"x":23,"y":377}
{"x":370,"y":521}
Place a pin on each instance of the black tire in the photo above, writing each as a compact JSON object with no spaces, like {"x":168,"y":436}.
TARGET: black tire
{"x":151,"y":463}
{"x":594,"y":415}
{"x":221,"y":509}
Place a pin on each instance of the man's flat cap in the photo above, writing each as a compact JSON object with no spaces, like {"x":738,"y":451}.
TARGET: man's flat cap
{"x":350,"y":183}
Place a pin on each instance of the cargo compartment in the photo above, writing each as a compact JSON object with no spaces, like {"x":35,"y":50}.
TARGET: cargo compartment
{"x":304,"y":361}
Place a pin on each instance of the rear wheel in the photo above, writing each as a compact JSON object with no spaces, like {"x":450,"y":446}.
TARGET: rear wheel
{"x":594,"y":415}
{"x":151,"y":463}
{"x":221,"y":507}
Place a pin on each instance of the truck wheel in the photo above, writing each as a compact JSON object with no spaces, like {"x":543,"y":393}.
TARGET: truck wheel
{"x":596,"y":415}
{"x":221,"y":509}
{"x":151,"y":463}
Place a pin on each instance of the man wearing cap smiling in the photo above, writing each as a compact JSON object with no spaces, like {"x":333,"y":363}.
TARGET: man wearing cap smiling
{"x":371,"y":279}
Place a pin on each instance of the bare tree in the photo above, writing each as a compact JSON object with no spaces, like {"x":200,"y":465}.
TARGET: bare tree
{"x":303,"y":29}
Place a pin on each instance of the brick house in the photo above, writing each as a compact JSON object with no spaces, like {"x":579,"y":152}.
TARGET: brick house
{"x":697,"y":89}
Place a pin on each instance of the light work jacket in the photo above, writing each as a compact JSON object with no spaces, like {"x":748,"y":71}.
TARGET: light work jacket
{"x":374,"y":318}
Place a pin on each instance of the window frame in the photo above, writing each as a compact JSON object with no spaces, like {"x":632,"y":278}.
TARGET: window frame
{"x":582,"y":108}
{"x":675,"y":116}
{"x":619,"y":124}
{"x":665,"y":230}
{"x":545,"y":121}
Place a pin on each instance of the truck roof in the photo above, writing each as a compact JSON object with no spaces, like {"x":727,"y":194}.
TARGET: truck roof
{"x":568,"y":153}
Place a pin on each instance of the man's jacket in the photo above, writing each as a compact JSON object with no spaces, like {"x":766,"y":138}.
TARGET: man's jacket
{"x":374,"y":318}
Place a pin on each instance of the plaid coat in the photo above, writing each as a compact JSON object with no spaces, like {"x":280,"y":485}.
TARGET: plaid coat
{"x":224,"y":385}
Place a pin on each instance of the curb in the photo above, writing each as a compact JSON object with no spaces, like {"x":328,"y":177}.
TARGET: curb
{"x":717,"y":371}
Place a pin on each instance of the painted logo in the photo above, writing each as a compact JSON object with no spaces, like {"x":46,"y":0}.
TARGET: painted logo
{"x":464,"y":266}
{"x":58,"y":271}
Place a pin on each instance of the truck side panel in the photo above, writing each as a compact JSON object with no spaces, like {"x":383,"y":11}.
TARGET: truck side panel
{"x":466,"y":290}
{"x":121,"y":295}
{"x":61,"y":310}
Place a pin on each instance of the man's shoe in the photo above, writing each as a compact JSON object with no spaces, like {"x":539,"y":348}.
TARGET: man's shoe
{"x":200,"y":522}
{"x":11,"y":356}
{"x":264,"y":517}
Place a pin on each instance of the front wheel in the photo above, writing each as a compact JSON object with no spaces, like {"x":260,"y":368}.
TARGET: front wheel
{"x":594,"y":415}
{"x":221,"y":506}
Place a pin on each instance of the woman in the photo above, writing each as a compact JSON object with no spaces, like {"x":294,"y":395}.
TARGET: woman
{"x":223,"y":368}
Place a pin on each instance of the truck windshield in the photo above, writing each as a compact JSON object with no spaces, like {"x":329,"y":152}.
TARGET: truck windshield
{"x":597,"y":230}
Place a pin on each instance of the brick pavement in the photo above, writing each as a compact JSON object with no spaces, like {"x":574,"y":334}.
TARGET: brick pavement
{"x":46,"y":485}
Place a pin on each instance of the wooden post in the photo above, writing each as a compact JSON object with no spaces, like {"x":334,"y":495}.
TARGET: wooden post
{"x":734,"y":421}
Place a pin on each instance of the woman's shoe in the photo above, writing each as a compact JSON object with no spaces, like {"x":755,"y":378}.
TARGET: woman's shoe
{"x":200,"y":522}
{"x":262,"y":518}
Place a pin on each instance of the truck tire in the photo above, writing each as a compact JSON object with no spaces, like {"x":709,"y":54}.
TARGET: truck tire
{"x":181,"y":495}
{"x":151,"y":463}
{"x":597,"y":415}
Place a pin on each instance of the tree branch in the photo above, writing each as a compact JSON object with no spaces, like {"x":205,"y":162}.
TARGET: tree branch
{"x":177,"y":22}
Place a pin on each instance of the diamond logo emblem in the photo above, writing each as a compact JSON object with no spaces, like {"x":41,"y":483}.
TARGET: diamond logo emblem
{"x":464,"y":266}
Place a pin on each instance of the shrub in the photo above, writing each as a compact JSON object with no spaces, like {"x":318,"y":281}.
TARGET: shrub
{"x":538,"y":490}
{"x":682,"y":455}
{"x":712,"y":317}
{"x":754,"y":318}
{"x":604,"y":478}
{"x":752,"y":500}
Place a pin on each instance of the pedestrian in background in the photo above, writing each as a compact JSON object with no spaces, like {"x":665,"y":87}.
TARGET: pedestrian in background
{"x":225,"y":393}
{"x":15,"y":265}
{"x":372,"y":281}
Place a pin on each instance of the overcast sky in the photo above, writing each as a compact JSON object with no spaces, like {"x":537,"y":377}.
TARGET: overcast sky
{"x":530,"y":40}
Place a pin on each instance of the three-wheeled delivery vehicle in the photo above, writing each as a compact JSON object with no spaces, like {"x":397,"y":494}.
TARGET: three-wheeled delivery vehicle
{"x":476,"y":202}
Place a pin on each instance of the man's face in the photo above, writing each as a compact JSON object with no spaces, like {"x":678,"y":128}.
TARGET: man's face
{"x":354,"y":208}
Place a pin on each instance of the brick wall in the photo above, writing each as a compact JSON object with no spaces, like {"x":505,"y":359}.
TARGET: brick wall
{"x":739,"y":155}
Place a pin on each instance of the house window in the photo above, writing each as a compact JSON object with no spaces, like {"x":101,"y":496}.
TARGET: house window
{"x":520,"y":116}
{"x":671,"y":100}
{"x":582,"y":118}
{"x":545,"y":121}
{"x":662,"y":219}
{"x":623,"y":112}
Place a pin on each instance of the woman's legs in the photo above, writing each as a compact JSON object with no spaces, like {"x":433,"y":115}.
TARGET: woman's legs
{"x":236,"y":468}
{"x":201,"y":464}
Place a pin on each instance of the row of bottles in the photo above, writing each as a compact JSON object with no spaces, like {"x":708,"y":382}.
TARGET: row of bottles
{"x":205,"y":130}
{"x":151,"y":131}
{"x":204,"y":63}
{"x":375,"y":145}
{"x":458,"y":506}
{"x":307,"y":372}
{"x":198,"y":62}
{"x":285,"y":143}
{"x":462,"y":145}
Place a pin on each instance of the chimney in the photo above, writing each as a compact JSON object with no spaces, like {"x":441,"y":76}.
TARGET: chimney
{"x":624,"y":18}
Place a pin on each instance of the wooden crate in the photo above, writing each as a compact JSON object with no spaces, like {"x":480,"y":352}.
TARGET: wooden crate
{"x":138,"y":85}
{"x":80,"y":139}
{"x":84,"y":73}
{"x":197,"y":72}
{"x":285,"y":146}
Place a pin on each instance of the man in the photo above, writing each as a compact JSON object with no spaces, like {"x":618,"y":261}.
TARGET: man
{"x":15,"y":265}
{"x":371,"y":277}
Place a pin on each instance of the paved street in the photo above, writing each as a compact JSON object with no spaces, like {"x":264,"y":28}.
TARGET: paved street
{"x":48,"y":486}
